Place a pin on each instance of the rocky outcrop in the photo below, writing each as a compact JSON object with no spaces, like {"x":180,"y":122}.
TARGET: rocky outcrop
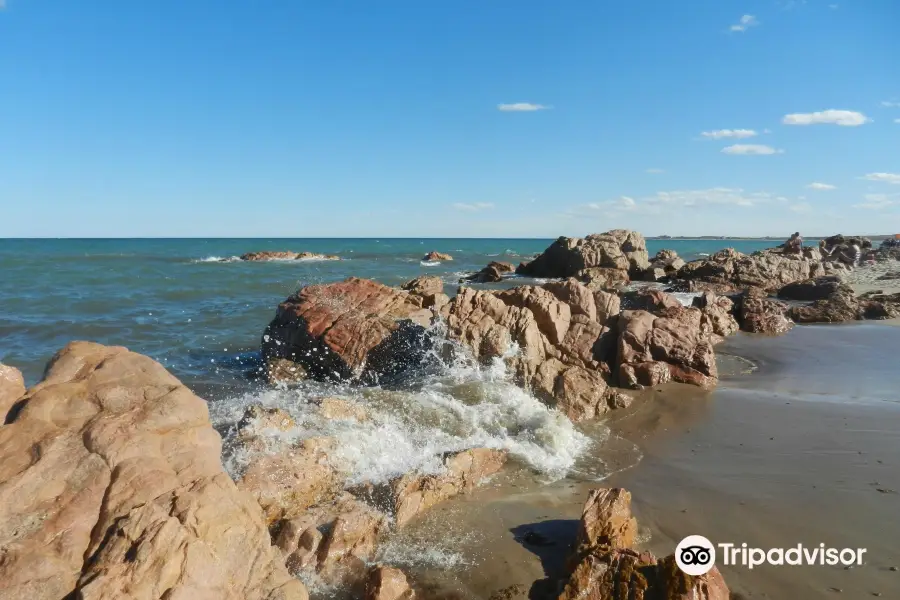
{"x":843,"y":306}
{"x":354,"y":329}
{"x":718,"y":315}
{"x":413,"y":493}
{"x":670,"y":345}
{"x":761,"y":314}
{"x":426,"y":291}
{"x":812,"y":289}
{"x":563,"y":335}
{"x":268,"y":255}
{"x":335,"y":540}
{"x":492,"y":273}
{"x":434,"y":256}
{"x":605,"y":567}
{"x":387,"y":583}
{"x":111,"y":486}
{"x":12,"y":387}
{"x":602,"y":278}
{"x":618,"y":249}
{"x":665,"y":264}
{"x":769,"y":270}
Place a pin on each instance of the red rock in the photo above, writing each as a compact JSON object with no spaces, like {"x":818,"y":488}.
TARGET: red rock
{"x":760,"y":314}
{"x":436,"y":256}
{"x":492,"y":273}
{"x":606,"y":519}
{"x":112,"y":487}
{"x":352,"y":329}
{"x":267,"y":255}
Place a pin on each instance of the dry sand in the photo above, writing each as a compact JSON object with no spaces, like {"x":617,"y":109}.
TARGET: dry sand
{"x":806,"y":449}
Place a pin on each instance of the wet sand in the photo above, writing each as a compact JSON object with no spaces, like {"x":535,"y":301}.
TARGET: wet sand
{"x":806,"y":449}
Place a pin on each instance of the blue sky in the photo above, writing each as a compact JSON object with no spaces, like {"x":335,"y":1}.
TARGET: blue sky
{"x":465,"y":118}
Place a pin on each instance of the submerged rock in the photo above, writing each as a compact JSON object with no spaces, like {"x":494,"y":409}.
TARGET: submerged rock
{"x":618,"y":249}
{"x":492,"y":273}
{"x":354,"y":329}
{"x":267,"y":255}
{"x":436,"y":256}
{"x":126,"y":497}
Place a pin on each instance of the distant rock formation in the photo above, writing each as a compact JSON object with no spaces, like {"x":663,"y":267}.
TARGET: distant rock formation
{"x":492,"y":273}
{"x":269,"y":255}
{"x":435,"y":256}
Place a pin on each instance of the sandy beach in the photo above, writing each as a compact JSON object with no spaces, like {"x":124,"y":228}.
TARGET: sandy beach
{"x":803,"y":450}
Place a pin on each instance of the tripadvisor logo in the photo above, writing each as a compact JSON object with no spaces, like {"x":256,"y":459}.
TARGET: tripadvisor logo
{"x":696,"y":555}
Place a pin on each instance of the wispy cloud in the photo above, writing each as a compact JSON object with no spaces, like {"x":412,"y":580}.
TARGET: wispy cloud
{"x":822,"y":187}
{"x":751,"y":150}
{"x":801,"y":207}
{"x":721,"y":134}
{"x":879,"y":201}
{"x":473,"y":207}
{"x":746,"y":22}
{"x":846,"y":118}
{"x":883,"y":177}
{"x":656,"y":171}
{"x":896,"y":120}
{"x":833,"y":6}
{"x":890,"y":104}
{"x":674,"y":201}
{"x":521,"y":107}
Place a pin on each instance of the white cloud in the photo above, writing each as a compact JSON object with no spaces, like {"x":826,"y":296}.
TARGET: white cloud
{"x":655,"y":171}
{"x":801,"y":207}
{"x":896,"y":120}
{"x":822,"y":187}
{"x":719,"y":134}
{"x":675,"y":201}
{"x":883,"y":177}
{"x":521,"y":107}
{"x":890,"y":104}
{"x":751,"y":149}
{"x":847,"y":118}
{"x":745,"y":23}
{"x":879,"y":201}
{"x":474,"y":207}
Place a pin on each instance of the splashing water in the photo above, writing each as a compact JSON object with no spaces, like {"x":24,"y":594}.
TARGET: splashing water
{"x":465,"y":405}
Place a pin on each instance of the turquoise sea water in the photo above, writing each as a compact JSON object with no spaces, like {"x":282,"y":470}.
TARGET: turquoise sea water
{"x":173,"y":300}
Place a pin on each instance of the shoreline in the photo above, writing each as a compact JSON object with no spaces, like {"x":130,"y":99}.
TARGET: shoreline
{"x":759,"y":460}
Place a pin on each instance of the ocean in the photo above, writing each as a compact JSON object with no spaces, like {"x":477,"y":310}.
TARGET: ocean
{"x":173,"y":299}
{"x":191,"y":305}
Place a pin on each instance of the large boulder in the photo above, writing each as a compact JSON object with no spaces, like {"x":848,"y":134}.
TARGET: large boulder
{"x":812,"y":289}
{"x":388,"y":583}
{"x":670,"y":345}
{"x":435,"y":256}
{"x":843,"y":306}
{"x":761,"y":314}
{"x":618,"y":249}
{"x":603,"y":565}
{"x":354,"y":329}
{"x":492,"y":273}
{"x":111,"y":486}
{"x":12,"y":387}
{"x":563,"y":334}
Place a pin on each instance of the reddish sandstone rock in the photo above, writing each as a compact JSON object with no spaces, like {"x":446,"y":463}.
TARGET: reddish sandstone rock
{"x":606,"y":519}
{"x":602,"y":278}
{"x":670,"y":346}
{"x":334,"y":539}
{"x":424,"y":285}
{"x":413,"y":494}
{"x":436,"y":256}
{"x":568,"y":257}
{"x":761,"y":314}
{"x":819,"y":288}
{"x":561,"y":332}
{"x":111,"y":486}
{"x":356,"y":328}
{"x":717,"y":315}
{"x":388,"y":583}
{"x":12,"y":387}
